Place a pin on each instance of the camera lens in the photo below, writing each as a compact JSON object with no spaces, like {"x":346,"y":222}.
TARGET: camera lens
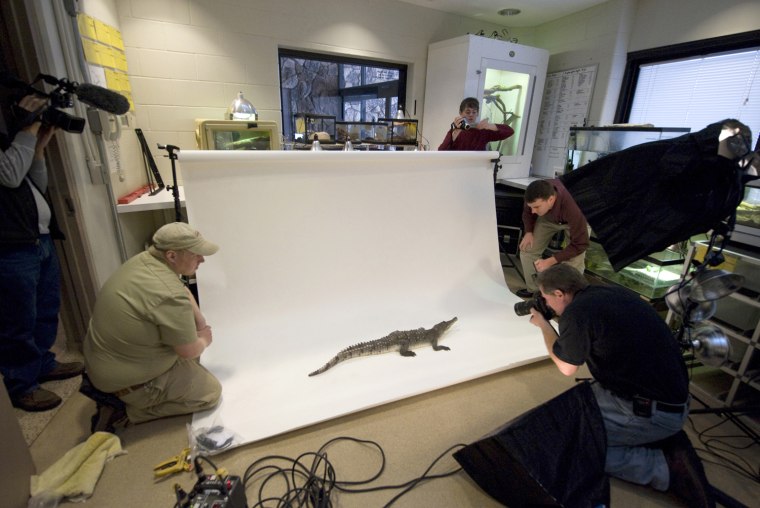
{"x":523,"y":308}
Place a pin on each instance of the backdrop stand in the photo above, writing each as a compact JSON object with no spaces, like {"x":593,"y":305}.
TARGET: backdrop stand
{"x":172,"y":151}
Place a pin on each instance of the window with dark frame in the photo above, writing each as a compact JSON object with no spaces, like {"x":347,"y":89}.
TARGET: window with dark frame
{"x":694,"y":84}
{"x":351,"y":89}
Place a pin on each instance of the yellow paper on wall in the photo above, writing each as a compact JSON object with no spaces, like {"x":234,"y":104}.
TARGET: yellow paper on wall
{"x":113,"y":80}
{"x":102,"y":32}
{"x":86,"y":26}
{"x":116,"y":40}
{"x":91,"y":53}
{"x":106,"y":55}
{"x":120,"y":60}
{"x":125,"y":87}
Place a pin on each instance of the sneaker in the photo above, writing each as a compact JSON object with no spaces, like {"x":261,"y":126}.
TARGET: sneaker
{"x":524,"y":293}
{"x":108,"y":418}
{"x":63,"y":371}
{"x":687,"y":476}
{"x":37,"y":400}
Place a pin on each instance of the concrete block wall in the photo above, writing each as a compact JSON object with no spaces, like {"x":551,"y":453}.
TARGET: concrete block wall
{"x":188,"y":59}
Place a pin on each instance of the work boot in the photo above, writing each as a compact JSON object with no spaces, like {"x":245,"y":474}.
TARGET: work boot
{"x":108,"y":418}
{"x":687,"y":476}
{"x":100,"y":397}
{"x":110,"y":410}
{"x":63,"y":371}
{"x":37,"y":400}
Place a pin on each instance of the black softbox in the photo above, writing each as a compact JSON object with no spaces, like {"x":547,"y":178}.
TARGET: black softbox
{"x":552,"y":455}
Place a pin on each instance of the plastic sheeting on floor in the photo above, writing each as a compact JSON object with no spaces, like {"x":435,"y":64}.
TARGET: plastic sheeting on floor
{"x":322,"y":250}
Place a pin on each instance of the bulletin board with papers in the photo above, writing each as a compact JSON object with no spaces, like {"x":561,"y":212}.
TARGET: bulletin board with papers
{"x":566,"y":102}
{"x":104,"y":52}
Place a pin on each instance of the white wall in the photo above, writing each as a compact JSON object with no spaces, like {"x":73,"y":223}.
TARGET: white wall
{"x":598,"y":35}
{"x":606,"y":33}
{"x":659,"y":23}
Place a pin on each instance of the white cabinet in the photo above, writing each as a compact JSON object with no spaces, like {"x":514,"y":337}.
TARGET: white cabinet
{"x":735,"y":384}
{"x":507,"y":79}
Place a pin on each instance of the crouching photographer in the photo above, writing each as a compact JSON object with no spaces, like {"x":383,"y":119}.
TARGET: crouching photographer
{"x":641,"y":382}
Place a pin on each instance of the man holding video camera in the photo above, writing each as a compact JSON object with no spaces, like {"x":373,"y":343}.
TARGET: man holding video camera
{"x":467,"y":133}
{"x":29,"y":271}
{"x":641,"y":382}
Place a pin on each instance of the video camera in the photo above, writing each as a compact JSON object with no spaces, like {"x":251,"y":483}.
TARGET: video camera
{"x":62,"y":96}
{"x":462,"y":125}
{"x":538,"y":302}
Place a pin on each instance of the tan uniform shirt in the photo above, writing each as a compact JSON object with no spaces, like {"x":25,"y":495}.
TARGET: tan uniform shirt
{"x":142,"y":311}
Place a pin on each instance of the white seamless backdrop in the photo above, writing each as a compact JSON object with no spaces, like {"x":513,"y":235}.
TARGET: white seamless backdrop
{"x":321,"y":250}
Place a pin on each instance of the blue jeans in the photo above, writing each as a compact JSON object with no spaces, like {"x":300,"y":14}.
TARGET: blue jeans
{"x":30,"y":299}
{"x":626,"y":432}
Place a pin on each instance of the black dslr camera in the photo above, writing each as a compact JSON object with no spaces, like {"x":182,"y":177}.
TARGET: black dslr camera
{"x":538,"y":302}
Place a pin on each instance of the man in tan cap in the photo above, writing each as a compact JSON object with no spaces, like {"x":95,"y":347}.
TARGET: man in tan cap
{"x":147,"y":332}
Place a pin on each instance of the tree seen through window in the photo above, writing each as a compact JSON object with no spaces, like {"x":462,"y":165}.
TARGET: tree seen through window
{"x":352,"y":90}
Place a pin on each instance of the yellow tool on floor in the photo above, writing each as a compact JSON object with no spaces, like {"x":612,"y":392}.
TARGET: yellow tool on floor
{"x":176,"y":464}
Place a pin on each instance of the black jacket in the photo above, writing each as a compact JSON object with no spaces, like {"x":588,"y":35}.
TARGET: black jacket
{"x":19,"y":220}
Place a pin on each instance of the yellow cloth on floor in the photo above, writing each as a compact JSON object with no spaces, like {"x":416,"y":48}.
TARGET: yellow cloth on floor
{"x":75,"y":474}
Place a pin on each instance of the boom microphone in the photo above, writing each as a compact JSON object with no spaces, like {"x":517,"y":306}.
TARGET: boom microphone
{"x":11,"y":81}
{"x":102,"y":98}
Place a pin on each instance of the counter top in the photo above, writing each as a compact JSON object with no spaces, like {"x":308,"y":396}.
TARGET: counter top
{"x":162,"y":200}
{"x":520,"y":183}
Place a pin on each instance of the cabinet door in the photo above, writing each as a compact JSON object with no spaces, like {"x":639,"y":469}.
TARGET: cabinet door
{"x":505,"y":92}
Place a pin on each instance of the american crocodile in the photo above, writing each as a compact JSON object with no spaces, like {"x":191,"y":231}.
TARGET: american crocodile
{"x":401,"y":341}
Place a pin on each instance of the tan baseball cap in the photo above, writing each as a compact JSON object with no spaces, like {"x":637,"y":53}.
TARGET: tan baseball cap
{"x":180,"y":236}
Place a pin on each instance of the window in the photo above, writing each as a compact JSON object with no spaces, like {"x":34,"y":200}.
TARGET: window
{"x":350,"y":89}
{"x":694,"y":84}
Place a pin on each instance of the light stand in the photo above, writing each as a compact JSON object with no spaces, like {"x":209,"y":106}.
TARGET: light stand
{"x":694,"y":300}
{"x":174,"y":188}
{"x":496,"y":168}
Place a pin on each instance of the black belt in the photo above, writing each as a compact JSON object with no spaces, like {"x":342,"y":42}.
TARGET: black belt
{"x":669,"y":408}
{"x":643,"y":406}
{"x":130,"y":389}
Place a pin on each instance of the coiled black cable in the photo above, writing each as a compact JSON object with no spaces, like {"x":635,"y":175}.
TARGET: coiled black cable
{"x":309,"y":480}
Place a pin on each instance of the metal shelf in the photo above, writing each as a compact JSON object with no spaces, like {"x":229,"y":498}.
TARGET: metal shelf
{"x":736,"y":384}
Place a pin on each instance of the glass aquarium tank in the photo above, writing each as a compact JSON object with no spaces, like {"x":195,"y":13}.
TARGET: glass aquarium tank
{"x":237,"y":135}
{"x":306,"y":125}
{"x":401,"y":131}
{"x":361,"y":132}
{"x":586,"y":144}
{"x":650,"y":276}
{"x":747,"y":228}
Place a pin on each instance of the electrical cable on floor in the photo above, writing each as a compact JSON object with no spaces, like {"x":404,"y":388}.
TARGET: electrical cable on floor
{"x":311,"y":485}
{"x":722,"y":456}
